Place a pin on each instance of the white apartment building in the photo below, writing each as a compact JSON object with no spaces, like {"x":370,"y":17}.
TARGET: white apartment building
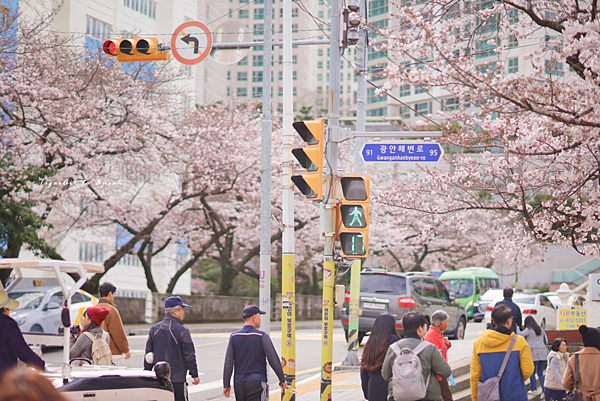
{"x":92,"y":22}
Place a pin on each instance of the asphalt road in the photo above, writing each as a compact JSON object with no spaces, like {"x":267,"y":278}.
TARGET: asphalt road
{"x":211,"y":347}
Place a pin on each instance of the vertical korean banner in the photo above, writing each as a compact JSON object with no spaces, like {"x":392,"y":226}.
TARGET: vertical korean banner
{"x":288,"y":326}
{"x":327,"y":335}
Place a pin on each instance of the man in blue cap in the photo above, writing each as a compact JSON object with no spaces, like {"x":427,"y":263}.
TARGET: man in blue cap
{"x":171,"y":341}
{"x":248,"y":352}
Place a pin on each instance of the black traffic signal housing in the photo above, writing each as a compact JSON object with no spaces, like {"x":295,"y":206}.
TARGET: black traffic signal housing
{"x":352,"y":216}
{"x":136,"y":49}
{"x":311,"y":158}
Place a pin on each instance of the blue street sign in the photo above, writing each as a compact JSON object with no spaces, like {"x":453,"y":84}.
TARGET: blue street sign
{"x":406,"y":152}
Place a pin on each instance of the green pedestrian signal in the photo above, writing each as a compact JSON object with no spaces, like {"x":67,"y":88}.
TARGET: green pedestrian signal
{"x":352,"y":217}
{"x":353,"y":244}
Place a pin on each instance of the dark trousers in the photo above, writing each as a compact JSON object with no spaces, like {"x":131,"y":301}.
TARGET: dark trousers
{"x":181,"y":393}
{"x":446,"y":391}
{"x":252,"y":390}
{"x":555,"y":395}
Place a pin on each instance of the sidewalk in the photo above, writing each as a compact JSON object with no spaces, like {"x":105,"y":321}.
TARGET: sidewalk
{"x":228,"y":327}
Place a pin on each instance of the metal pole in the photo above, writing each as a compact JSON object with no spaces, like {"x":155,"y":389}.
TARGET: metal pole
{"x":265,"y":176}
{"x":245,"y":45}
{"x":331,"y":156}
{"x":288,"y":284}
{"x":359,"y":168}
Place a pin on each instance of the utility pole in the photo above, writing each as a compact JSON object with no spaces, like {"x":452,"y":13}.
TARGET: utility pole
{"x":265,"y":175}
{"x":359,"y":168}
{"x":331,"y":155}
{"x":288,"y":279}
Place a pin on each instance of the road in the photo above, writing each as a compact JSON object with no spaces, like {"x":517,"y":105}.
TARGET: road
{"x":211,"y":347}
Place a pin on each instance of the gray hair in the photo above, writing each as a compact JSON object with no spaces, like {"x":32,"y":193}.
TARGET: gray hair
{"x":438,"y":317}
{"x":169,"y":311}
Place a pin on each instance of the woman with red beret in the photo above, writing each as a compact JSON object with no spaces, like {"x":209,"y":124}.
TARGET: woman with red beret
{"x":91,"y":322}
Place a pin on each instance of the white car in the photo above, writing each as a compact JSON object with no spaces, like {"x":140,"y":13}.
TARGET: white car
{"x":575,"y":301}
{"x":536,"y":305}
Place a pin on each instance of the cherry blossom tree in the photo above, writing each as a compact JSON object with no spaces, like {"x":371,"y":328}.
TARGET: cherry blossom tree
{"x":529,"y":138}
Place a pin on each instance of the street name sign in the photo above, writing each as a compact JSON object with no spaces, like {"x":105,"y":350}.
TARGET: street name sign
{"x":403,"y":152}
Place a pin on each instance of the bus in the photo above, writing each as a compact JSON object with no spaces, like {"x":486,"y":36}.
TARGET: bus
{"x":469,"y":284}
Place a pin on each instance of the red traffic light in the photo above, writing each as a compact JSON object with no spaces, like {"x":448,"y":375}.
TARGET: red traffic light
{"x":110,"y":48}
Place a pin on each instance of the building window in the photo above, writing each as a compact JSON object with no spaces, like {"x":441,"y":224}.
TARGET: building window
{"x":257,"y":60}
{"x":243,"y":14}
{"x":229,"y":75}
{"x":513,"y":16}
{"x":513,"y":65}
{"x":380,"y":24}
{"x":295,"y":75}
{"x":373,"y":98}
{"x":422,"y":109}
{"x":375,"y":54}
{"x":243,"y":61}
{"x":242,"y":92}
{"x":405,"y":112}
{"x":259,"y":29}
{"x":228,"y":91}
{"x":280,"y":75}
{"x":294,"y":59}
{"x":280,"y":91}
{"x":378,"y":7}
{"x":320,"y":52}
{"x":294,"y":12}
{"x":382,"y":111}
{"x":450,"y":103}
{"x":97,"y":29}
{"x":89,"y":252}
{"x":259,"y":13}
{"x":485,"y":48}
{"x":553,"y":68}
{"x":242,"y":76}
{"x":404,"y":91}
{"x":257,"y":91}
{"x":257,"y":76}
{"x":145,"y":7}
{"x":420,"y":89}
{"x":294,"y":92}
{"x":512,"y":41}
{"x":320,"y":77}
{"x":319,"y":64}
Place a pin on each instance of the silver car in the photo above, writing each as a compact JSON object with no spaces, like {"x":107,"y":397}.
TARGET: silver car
{"x":40,"y":308}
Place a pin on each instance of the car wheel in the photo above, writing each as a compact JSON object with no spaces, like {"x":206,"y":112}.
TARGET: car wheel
{"x":361,"y":335}
{"x":36,"y":328}
{"x":543,"y":325}
{"x":459,"y":333}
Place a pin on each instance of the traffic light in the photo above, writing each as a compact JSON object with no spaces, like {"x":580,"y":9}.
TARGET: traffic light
{"x":352,"y":217}
{"x":136,"y":49}
{"x":311,"y":158}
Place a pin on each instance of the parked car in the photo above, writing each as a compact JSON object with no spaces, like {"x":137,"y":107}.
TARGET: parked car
{"x":575,"y":301}
{"x":481,"y":304}
{"x":40,"y":308}
{"x":469,"y":284}
{"x":536,"y":305}
{"x":399,"y":293}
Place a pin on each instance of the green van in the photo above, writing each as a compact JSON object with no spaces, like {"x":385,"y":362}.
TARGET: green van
{"x":469,"y":284}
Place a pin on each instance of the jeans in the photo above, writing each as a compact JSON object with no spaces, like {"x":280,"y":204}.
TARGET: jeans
{"x":539,"y":367}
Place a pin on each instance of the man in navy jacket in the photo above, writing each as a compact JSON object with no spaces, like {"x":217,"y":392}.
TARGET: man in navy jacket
{"x":516,"y":311}
{"x":171,"y":341}
{"x":12,"y":344}
{"x":248,"y":351}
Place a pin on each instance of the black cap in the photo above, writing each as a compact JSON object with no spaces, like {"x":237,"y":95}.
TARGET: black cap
{"x":251,"y":310}
{"x":590,"y":336}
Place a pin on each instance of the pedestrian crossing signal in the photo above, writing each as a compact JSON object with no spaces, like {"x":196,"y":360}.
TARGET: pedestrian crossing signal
{"x":352,"y":216}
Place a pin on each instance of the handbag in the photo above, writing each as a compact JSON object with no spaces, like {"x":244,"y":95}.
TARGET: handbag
{"x":489,"y":390}
{"x":574,"y":394}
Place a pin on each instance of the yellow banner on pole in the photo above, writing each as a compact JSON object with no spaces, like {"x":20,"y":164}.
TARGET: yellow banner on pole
{"x":327,"y":334}
{"x":288,"y":326}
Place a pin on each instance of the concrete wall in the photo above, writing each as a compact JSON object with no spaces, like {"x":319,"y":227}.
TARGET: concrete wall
{"x":132,"y":310}
{"x":215,"y":308}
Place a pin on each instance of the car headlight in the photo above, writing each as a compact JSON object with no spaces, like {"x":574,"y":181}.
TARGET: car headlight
{"x":470,"y":304}
{"x":21,"y":321}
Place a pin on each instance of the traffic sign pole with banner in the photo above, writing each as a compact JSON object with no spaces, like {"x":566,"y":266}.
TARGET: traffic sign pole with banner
{"x":191,"y":42}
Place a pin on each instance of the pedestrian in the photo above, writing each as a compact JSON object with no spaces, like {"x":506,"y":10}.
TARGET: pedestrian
{"x":27,"y":385}
{"x":383,"y":334}
{"x":246,"y":356}
{"x":588,"y":360}
{"x":12,"y":344}
{"x":113,"y":324}
{"x":432,"y":362}
{"x":435,"y":335}
{"x":537,"y":340}
{"x":517,"y":321}
{"x":557,"y":365}
{"x":171,"y":341}
{"x":90,"y":328}
{"x":489,"y":351}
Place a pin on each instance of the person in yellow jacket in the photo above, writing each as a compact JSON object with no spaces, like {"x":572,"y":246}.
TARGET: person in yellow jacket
{"x":488,"y":354}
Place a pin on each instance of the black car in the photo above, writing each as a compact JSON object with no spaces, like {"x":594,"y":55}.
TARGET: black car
{"x":398,"y":293}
